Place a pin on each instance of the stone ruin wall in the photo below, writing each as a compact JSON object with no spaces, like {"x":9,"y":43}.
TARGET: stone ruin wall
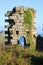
{"x":16,"y":27}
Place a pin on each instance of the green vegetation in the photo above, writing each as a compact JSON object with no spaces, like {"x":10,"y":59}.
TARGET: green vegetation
{"x":15,"y":55}
{"x":28,"y":17}
{"x":28,"y":22}
{"x":2,"y":37}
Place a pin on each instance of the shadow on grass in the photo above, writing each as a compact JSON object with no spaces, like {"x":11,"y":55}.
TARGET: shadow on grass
{"x":36,"y":60}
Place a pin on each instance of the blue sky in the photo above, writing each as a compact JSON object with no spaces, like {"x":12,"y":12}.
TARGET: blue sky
{"x":6,"y":5}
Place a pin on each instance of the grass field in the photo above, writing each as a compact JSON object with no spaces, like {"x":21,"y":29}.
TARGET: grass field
{"x":16,"y":55}
{"x":2,"y":37}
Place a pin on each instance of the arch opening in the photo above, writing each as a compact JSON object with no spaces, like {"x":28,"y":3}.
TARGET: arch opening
{"x":22,"y":41}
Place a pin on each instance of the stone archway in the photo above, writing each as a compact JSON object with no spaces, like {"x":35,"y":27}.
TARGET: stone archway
{"x":22,"y":41}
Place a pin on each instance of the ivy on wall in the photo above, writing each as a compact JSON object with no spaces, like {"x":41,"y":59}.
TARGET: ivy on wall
{"x":28,"y":22}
